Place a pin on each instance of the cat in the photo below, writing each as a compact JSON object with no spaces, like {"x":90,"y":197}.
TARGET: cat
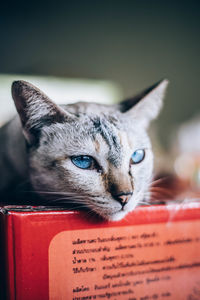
{"x":80,"y":155}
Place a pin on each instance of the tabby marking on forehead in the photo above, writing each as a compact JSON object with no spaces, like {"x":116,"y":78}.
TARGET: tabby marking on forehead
{"x":109,"y":133}
{"x":97,"y":146}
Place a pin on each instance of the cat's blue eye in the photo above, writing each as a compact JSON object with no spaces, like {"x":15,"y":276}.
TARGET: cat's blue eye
{"x":83,"y":161}
{"x":138,"y":156}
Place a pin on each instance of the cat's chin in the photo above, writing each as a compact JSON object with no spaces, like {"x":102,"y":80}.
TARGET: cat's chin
{"x":119,"y":215}
{"x":116,"y":216}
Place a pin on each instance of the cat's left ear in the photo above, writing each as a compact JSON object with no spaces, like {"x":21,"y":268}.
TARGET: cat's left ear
{"x":145,"y":106}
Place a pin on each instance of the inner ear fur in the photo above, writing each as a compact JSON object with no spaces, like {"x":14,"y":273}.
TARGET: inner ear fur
{"x":31,"y":102}
{"x":35,"y":109}
{"x":145,"y":106}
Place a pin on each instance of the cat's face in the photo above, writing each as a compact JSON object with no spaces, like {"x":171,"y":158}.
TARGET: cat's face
{"x":88,"y":154}
{"x":91,"y":161}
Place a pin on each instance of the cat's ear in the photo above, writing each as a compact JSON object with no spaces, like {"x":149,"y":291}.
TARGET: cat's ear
{"x":35,"y":109}
{"x":145,"y":106}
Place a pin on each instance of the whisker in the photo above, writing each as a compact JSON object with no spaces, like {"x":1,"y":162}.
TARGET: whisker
{"x":157,"y":188}
{"x":159,"y":180}
{"x":64,"y":200}
{"x":162,"y":193}
{"x":144,"y":203}
{"x":68,"y":194}
{"x":77,"y":207}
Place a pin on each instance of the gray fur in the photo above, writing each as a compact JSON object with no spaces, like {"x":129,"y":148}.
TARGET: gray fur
{"x":40,"y":147}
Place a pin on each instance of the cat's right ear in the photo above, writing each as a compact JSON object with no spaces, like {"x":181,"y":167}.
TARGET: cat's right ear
{"x":35,"y":109}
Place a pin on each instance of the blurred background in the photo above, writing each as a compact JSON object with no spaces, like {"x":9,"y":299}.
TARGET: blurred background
{"x":127,"y":45}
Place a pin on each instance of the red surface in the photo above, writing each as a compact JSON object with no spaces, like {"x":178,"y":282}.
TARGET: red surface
{"x":28,"y":235}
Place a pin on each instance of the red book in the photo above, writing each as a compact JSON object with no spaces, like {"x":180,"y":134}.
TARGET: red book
{"x":154,"y":253}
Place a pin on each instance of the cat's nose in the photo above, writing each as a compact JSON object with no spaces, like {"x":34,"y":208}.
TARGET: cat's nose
{"x":123,"y":198}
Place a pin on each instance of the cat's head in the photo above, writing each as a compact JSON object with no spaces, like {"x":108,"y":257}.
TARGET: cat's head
{"x":89,"y":154}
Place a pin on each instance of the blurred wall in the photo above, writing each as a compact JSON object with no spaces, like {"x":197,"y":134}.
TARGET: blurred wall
{"x":134,"y":43}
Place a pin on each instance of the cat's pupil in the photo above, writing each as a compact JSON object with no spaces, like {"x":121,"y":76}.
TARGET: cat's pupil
{"x":83,"y":161}
{"x":138,"y":156}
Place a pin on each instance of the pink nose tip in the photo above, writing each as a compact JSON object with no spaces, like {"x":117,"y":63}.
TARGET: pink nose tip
{"x":123,"y":198}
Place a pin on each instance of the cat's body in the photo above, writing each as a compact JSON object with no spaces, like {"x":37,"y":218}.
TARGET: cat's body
{"x":82,"y":154}
{"x":13,"y":160}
